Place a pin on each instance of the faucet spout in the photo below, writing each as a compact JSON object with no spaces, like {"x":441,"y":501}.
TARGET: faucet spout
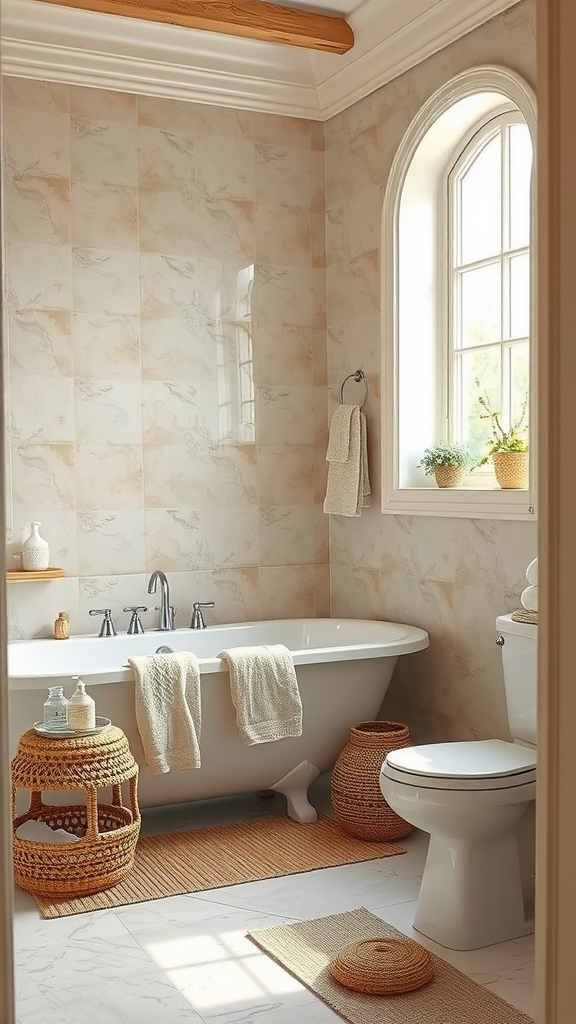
{"x":166,"y":609}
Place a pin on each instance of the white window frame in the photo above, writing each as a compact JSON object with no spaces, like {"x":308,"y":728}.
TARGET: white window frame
{"x":417,"y":170}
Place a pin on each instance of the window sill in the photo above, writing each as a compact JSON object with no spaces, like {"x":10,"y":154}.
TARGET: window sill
{"x":461,"y":502}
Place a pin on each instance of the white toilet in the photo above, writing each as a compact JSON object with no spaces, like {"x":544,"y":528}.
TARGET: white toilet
{"x":476,"y":800}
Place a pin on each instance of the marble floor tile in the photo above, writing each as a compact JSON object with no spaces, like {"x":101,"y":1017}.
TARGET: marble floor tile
{"x":188,"y":959}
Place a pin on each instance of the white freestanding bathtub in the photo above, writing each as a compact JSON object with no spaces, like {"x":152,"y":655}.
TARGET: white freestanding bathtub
{"x":343,"y":668}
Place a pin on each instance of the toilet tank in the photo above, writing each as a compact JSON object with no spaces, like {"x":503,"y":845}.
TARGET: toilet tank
{"x":519,"y":659}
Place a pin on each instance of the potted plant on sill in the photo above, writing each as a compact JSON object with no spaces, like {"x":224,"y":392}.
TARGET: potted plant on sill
{"x":448,"y":463}
{"x":508,"y":449}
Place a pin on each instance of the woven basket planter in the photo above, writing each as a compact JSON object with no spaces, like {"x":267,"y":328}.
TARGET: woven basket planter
{"x":357,"y":800}
{"x":511,"y":469}
{"x":449,"y":476}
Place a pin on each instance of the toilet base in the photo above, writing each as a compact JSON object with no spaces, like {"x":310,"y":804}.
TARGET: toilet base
{"x":471,"y":893}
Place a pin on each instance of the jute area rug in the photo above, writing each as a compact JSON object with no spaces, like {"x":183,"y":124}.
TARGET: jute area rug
{"x":208,"y":858}
{"x":305,"y":950}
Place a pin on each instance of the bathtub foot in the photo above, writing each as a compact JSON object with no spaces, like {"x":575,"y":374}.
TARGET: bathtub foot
{"x":294,"y":787}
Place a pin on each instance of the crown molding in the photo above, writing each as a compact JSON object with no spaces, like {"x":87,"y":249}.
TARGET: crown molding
{"x":61,"y":44}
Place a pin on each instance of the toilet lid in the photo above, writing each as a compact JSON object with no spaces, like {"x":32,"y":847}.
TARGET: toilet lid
{"x":479,"y":764}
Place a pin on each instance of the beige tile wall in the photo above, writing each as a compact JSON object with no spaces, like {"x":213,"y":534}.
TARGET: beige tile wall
{"x":128,"y":221}
{"x":450,"y":576}
{"x":166,"y":354}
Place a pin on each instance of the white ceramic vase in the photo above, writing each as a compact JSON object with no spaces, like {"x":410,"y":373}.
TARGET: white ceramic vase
{"x":35,"y":551}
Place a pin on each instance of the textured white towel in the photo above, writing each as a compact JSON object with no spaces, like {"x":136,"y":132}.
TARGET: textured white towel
{"x":529,"y":599}
{"x":168,"y":710}
{"x":264,"y":691}
{"x":348,"y":488}
{"x":532,"y":572}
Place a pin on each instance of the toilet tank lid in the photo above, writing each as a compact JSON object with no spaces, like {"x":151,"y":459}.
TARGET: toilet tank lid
{"x":473,"y":758}
{"x":506,"y":624}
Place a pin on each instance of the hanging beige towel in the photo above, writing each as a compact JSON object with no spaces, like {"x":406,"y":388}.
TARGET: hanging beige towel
{"x":265,"y":693}
{"x":348,"y":489}
{"x":168,"y":710}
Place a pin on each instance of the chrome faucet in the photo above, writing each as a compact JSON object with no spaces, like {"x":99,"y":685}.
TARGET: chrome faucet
{"x":166,"y":609}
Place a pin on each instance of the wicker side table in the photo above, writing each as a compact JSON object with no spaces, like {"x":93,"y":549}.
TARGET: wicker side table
{"x":107,"y":833}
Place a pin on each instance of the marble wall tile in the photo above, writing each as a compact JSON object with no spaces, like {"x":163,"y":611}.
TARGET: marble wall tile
{"x":31,"y":95}
{"x":179,"y":413}
{"x":104,"y":105}
{"x":178,"y":349}
{"x":202,"y":539}
{"x":106,"y":347}
{"x":40,"y":343}
{"x":38,"y":277}
{"x":45,"y":475}
{"x":106,"y":282}
{"x":285,"y":414}
{"x":286,"y":474}
{"x":104,"y":152}
{"x":42,"y":410}
{"x":283,"y":176}
{"x":287,"y":535}
{"x":37,"y":210}
{"x":104,"y":216}
{"x":283,"y":235}
{"x":283,"y":354}
{"x":108,"y":412}
{"x":37,"y":143}
{"x":287,"y":591}
{"x":283,"y":295}
{"x":110,"y":541}
{"x":109,"y":476}
{"x":185,"y":477}
{"x":182,"y":222}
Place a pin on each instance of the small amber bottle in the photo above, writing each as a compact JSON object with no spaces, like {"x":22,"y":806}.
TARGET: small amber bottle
{"x":62,"y":626}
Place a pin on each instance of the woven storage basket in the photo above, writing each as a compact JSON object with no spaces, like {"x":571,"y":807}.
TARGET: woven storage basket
{"x":511,"y":469}
{"x":382,"y":967}
{"x":357,"y":799}
{"x":448,"y":476}
{"x":107,"y":833}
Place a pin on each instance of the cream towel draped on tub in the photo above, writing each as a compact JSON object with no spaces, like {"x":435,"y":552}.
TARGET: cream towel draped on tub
{"x":348,"y":488}
{"x":168,"y":710}
{"x":265,"y":693}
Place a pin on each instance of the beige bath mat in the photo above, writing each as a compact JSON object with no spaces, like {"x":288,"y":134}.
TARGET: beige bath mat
{"x":305,"y":950}
{"x":207,"y":858}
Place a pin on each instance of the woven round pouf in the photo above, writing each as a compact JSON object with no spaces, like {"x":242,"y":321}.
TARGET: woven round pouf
{"x":357,"y":800}
{"x":382,"y":967}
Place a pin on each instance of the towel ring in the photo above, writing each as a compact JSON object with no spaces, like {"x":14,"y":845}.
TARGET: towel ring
{"x":358,"y":375}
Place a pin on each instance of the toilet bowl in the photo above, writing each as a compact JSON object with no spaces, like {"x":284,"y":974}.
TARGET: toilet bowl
{"x":476,"y":799}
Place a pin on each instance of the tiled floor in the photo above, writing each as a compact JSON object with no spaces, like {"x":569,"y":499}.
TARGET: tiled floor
{"x":187,"y":958}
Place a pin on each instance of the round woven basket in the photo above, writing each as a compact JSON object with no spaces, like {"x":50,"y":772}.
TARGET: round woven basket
{"x":511,"y":469}
{"x":357,"y":799}
{"x":382,"y":966}
{"x":106,"y":833}
{"x":448,"y":476}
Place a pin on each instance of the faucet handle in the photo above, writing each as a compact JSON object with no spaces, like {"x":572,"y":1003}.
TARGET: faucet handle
{"x":107,"y":627}
{"x":197,"y":617}
{"x":135,"y":625}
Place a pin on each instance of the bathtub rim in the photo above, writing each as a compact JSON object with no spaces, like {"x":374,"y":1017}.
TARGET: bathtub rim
{"x":413,"y":639}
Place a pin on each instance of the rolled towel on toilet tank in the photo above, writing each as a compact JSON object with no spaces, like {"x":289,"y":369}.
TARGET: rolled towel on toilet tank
{"x":529,"y":599}
{"x":532,"y":572}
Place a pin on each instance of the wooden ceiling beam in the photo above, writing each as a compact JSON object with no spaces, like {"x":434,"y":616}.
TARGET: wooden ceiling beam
{"x":252,"y":19}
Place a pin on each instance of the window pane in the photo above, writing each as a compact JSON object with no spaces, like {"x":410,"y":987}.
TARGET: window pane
{"x":519,"y":381}
{"x":520,"y":173}
{"x":484,"y":366}
{"x":481,"y":204}
{"x":520,"y":296}
{"x":480,"y":306}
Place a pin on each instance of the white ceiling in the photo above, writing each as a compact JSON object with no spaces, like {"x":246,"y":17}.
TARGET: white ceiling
{"x":40,"y":40}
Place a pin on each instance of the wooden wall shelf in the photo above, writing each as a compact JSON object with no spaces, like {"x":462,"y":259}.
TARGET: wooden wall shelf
{"x":21,"y":576}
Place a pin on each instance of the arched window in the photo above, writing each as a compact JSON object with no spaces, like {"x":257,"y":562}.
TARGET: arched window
{"x":457,"y":293}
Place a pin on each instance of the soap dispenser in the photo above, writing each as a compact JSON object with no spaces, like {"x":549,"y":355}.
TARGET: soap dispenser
{"x":81,"y":708}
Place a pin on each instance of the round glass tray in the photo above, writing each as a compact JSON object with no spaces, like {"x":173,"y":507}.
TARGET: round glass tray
{"x":63,"y":734}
